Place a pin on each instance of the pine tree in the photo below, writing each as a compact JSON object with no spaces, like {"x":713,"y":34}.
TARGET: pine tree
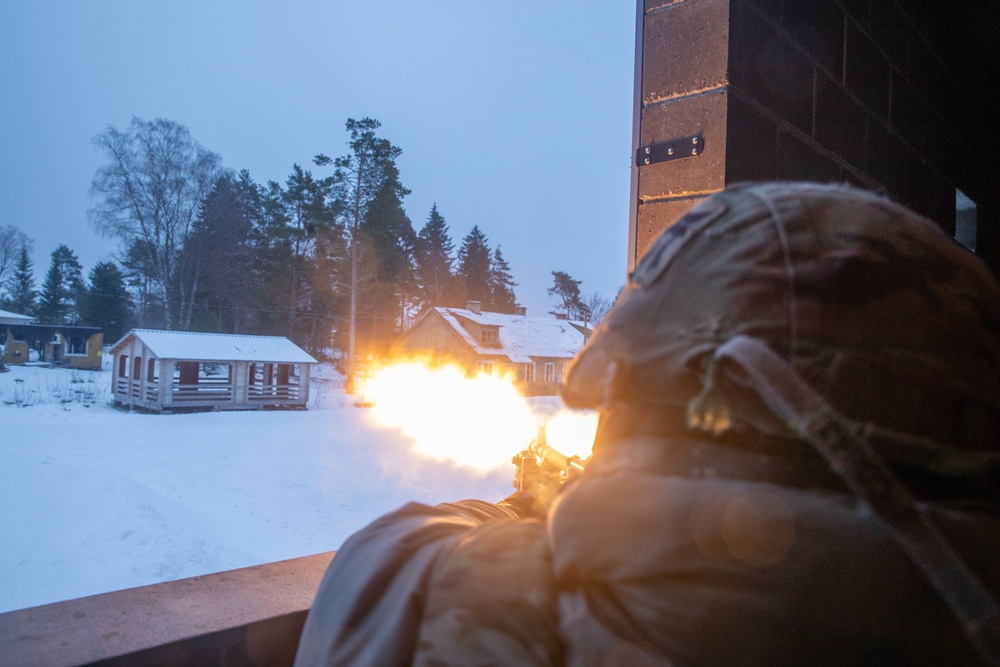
{"x":474,"y":266}
{"x":434,"y":261}
{"x":567,"y":291}
{"x":63,"y":289}
{"x":502,"y":299}
{"x":108,"y":304}
{"x":358,"y":178}
{"x":23,"y":297}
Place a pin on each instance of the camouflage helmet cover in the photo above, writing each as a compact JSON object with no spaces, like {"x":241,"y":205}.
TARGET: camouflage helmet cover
{"x":890,"y":319}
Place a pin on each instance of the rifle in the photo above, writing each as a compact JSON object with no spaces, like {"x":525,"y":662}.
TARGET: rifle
{"x":542,"y":470}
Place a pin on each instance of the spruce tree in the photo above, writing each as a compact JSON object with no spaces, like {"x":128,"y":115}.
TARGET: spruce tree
{"x":474,"y":266}
{"x":434,"y":261}
{"x":502,"y":299}
{"x":387,"y":242}
{"x":23,"y":297}
{"x":108,"y":304}
{"x":62,"y":290}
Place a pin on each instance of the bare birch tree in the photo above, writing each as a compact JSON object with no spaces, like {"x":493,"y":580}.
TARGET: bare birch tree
{"x":148,"y":197}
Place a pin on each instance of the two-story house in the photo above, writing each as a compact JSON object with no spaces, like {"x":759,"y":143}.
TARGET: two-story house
{"x":533,"y":350}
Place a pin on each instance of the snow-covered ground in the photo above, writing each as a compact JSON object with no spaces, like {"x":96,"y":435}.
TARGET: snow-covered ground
{"x":95,"y":499}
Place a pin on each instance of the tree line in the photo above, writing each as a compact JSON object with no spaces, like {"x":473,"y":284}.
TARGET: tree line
{"x":205,"y":248}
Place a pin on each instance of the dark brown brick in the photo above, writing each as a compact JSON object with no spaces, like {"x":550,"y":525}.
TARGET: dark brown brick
{"x":922,"y":68}
{"x":772,"y":71}
{"x":890,"y":30}
{"x":800,"y":161}
{"x":751,"y":144}
{"x":705,"y":114}
{"x":866,"y":72}
{"x":769,"y":8}
{"x":942,"y":145}
{"x":919,"y":193}
{"x":685,"y":49}
{"x":840,"y":122}
{"x":818,"y":27}
{"x":858,"y":10}
{"x":907,"y":113}
{"x":944,"y":206}
{"x":885,"y":158}
{"x":653,"y":5}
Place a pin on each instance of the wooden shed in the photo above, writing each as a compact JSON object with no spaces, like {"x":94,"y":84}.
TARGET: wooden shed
{"x":168,"y":371}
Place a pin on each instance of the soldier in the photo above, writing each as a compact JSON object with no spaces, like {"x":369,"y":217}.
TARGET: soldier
{"x":796,"y":463}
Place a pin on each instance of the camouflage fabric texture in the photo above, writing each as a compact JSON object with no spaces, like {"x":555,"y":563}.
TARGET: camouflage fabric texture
{"x":891,"y":320}
{"x":738,"y":547}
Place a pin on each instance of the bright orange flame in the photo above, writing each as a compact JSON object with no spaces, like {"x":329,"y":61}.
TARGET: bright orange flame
{"x":478,"y":422}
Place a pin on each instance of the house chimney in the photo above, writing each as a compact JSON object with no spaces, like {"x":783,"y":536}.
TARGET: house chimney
{"x":562,"y":316}
{"x":474,"y":306}
{"x":521,"y":310}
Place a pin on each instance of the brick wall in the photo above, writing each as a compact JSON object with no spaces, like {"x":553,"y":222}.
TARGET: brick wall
{"x":895,"y":96}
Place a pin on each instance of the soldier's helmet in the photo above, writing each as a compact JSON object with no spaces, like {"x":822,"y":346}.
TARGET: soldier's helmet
{"x":892,"y":321}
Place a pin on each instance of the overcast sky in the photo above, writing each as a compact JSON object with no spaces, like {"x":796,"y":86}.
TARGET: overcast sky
{"x":514,"y":116}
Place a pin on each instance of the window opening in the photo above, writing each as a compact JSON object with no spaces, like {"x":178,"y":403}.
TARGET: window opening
{"x":965,"y":220}
{"x":528,"y":372}
{"x":550,"y":371}
{"x":490,"y":336}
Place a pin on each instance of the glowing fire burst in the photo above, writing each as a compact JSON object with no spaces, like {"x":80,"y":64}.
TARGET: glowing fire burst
{"x":477,"y":422}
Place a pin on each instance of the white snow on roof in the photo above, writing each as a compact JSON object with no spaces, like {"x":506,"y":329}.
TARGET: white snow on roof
{"x":8,"y":317}
{"x":219,"y":347}
{"x":521,"y":337}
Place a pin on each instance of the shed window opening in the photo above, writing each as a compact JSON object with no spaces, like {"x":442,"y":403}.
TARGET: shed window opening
{"x":123,"y":366}
{"x":76,"y":345}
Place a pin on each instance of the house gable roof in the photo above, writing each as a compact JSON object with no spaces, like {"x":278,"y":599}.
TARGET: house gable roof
{"x":192,"y":346}
{"x":521,"y":337}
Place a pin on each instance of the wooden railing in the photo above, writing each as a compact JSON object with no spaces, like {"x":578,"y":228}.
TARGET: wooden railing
{"x":207,"y":389}
{"x":251,"y":616}
{"x":284,"y":392}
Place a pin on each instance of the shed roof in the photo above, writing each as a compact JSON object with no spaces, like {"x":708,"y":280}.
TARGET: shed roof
{"x":521,"y":337}
{"x":193,"y":346}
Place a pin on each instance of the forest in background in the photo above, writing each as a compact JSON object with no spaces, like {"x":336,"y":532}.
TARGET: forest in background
{"x":329,"y":258}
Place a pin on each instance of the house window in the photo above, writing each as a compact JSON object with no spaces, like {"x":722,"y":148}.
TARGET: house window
{"x":528,"y":372}
{"x":550,"y":371}
{"x":20,"y":336}
{"x":490,"y":336}
{"x":123,"y":366}
{"x":151,"y":371}
{"x":484,"y":367}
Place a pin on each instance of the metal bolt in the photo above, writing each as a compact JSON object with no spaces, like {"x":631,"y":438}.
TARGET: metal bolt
{"x":647,"y":150}
{"x":694,"y":151}
{"x":694,"y":140}
{"x":670,"y":151}
{"x":647,"y":160}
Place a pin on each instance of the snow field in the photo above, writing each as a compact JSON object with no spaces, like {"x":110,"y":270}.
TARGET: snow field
{"x":95,"y":499}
